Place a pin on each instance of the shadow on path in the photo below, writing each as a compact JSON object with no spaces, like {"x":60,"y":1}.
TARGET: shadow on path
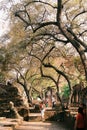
{"x":42,"y":126}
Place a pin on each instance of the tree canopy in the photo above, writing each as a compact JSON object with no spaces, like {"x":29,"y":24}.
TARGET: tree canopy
{"x":47,"y":41}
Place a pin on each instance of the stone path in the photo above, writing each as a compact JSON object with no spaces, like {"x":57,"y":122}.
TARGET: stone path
{"x":14,"y":124}
{"x":23,"y":125}
{"x":41,"y":126}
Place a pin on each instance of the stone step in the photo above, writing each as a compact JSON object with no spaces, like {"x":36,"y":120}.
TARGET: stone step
{"x":9,"y":124}
{"x":35,"y":117}
{"x":5,"y":128}
{"x":18,"y":121}
{"x":34,"y":114}
{"x":73,"y":108}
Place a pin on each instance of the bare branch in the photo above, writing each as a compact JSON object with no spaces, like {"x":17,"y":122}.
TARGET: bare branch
{"x":36,"y":1}
{"x":84,"y":11}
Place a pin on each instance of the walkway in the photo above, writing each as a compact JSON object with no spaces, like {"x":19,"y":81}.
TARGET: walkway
{"x":14,"y":124}
{"x":41,"y":126}
{"x":34,"y":123}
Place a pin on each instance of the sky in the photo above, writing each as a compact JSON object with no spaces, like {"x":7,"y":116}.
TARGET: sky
{"x":4,"y":15}
{"x":4,"y":8}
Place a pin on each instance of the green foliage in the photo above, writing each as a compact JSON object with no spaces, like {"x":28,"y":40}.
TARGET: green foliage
{"x":2,"y":78}
{"x":65,"y":91}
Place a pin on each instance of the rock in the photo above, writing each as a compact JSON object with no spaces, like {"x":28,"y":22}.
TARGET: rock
{"x":11,"y":103}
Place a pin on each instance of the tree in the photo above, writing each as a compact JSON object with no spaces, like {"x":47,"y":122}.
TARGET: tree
{"x":48,"y":25}
{"x":69,"y":30}
{"x":53,"y":28}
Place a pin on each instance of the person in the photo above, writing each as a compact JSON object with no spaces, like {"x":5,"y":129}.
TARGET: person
{"x":42,"y":109}
{"x":53,"y":101}
{"x":79,"y":122}
{"x":84,"y":112}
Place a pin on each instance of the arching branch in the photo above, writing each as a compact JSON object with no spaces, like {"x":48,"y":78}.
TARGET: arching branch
{"x":60,"y":72}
